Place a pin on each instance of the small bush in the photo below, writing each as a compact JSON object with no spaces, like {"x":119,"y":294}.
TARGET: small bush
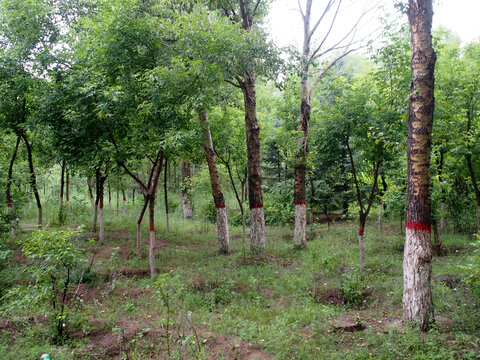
{"x":472,"y":269}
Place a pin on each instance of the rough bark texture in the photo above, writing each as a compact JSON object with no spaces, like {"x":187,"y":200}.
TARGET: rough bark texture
{"x":151,"y":253}
{"x":255,"y":198}
{"x":186,"y":201}
{"x":33,"y":179}
{"x":417,"y":268}
{"x":218,"y":198}
{"x":300,"y":232}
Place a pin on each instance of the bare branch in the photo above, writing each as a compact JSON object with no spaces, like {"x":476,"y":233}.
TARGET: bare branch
{"x":232,"y":83}
{"x":327,"y":9}
{"x":322,"y":74}
{"x":301,"y":11}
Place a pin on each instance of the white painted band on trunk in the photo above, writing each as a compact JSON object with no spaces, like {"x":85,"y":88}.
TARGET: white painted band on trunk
{"x":300,"y":232}
{"x":222,"y":226}
{"x":186,"y":208}
{"x":257,"y":229}
{"x":361,"y":245}
{"x":417,"y":272}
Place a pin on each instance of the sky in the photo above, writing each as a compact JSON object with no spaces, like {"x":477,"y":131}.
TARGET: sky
{"x":461,"y":16}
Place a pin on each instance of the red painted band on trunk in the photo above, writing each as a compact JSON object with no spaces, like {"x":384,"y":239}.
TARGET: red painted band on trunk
{"x":360,"y":232}
{"x":256,"y":207}
{"x":220,"y":206}
{"x":300,"y":203}
{"x":39,"y":206}
{"x":419,"y":226}
{"x":101,"y":206}
{"x":91,"y":197}
{"x":183,"y":195}
{"x":68,"y":199}
{"x":139,"y":222}
{"x":166,"y":211}
{"x":10,"y":205}
{"x":124,"y":199}
{"x":478,"y":204}
{"x":152,"y":229}
{"x":242,"y":212}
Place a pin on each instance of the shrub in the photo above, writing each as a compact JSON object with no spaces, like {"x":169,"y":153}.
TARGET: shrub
{"x":55,"y":255}
{"x":472,"y":269}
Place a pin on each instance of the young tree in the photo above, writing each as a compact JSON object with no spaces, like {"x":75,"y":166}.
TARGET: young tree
{"x":310,"y":55}
{"x":417,"y":267}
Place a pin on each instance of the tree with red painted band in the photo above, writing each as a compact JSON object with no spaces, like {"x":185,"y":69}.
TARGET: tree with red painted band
{"x":218,"y":198}
{"x":417,"y":268}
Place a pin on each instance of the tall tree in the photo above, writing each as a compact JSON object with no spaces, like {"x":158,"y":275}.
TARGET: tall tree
{"x":310,"y":55}
{"x":417,"y":267}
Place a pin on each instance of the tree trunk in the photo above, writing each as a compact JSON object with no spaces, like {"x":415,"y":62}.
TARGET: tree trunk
{"x":133,"y":195}
{"x":62,"y":184}
{"x":102,"y":219}
{"x":361,"y":241}
{"x":124,"y":206}
{"x":9,"y":181}
{"x":151,"y":253}
{"x":68,"y":192}
{"x":417,"y":268}
{"x":33,"y":178}
{"x":139,"y":223}
{"x":300,"y":233}
{"x":165,"y":194}
{"x":437,"y":246}
{"x":218,"y":198}
{"x":97,"y":200}
{"x":475,"y":188}
{"x":255,"y":198}
{"x":90,"y":192}
{"x":186,"y":199}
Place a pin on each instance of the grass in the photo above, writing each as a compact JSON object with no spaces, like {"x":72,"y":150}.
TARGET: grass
{"x":240,"y":306}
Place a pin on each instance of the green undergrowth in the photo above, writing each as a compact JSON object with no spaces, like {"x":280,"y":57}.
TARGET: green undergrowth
{"x":284,"y":302}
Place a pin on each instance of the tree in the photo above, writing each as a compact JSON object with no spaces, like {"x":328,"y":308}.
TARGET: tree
{"x":417,"y":268}
{"x":308,"y":57}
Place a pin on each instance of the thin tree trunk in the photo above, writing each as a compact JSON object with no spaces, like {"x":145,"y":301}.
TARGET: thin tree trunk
{"x":312,"y":201}
{"x":186,"y":197}
{"x":33,"y":178}
{"x":475,"y":188}
{"x":90,"y":192}
{"x":102,"y":218}
{"x":151,"y":253}
{"x":417,"y":267}
{"x":165,"y":194}
{"x":68,"y":191}
{"x":124,"y":206}
{"x":62,"y":184}
{"x":361,"y":241}
{"x":218,"y":198}
{"x":440,"y":180}
{"x":9,"y":181}
{"x":133,"y":195}
{"x":139,"y":224}
{"x":437,"y":246}
{"x":97,"y":200}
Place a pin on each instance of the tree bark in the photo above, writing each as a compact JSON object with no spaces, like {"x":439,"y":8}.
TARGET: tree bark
{"x":417,"y":268}
{"x":218,"y":198}
{"x":186,"y":198}
{"x":255,"y":198}
{"x":33,"y":178}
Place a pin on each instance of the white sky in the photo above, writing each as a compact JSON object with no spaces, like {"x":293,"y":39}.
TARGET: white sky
{"x":461,"y":16}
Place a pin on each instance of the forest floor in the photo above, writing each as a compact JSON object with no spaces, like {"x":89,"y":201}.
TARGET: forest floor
{"x":284,"y":304}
